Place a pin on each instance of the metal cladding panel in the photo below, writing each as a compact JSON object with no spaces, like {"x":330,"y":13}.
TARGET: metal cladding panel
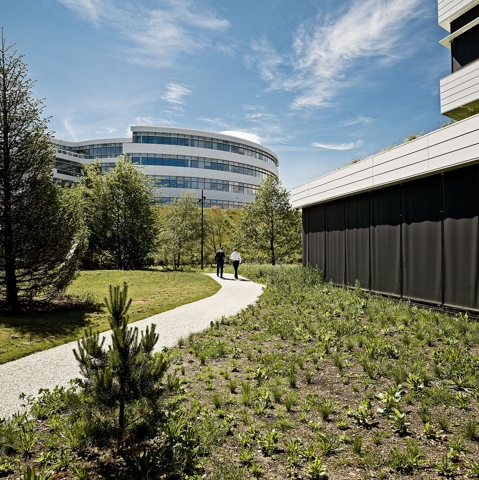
{"x":461,"y":237}
{"x":357,"y":240}
{"x":421,"y":239}
{"x":317,"y":236}
{"x":335,"y":242}
{"x":305,"y":238}
{"x":386,"y":240}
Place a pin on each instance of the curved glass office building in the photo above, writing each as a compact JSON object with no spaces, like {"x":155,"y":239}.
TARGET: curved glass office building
{"x":229,"y":169}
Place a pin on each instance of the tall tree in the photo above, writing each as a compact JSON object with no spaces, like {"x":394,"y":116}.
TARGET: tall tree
{"x":121,"y":215}
{"x":39,"y":227}
{"x":180,"y":229}
{"x":269,"y":228}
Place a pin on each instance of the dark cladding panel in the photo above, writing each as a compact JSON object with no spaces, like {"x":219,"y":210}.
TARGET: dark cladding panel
{"x":357,"y":240}
{"x":317,"y":235}
{"x":461,"y":208}
{"x":421,"y":230}
{"x":305,"y":213}
{"x":386,"y":241}
{"x":335,"y":241}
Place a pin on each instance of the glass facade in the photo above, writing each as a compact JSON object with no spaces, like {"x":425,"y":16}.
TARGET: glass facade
{"x":104,"y":150}
{"x":65,"y":167}
{"x":202,"y":142}
{"x":198,"y":162}
{"x":223,"y":204}
{"x":191,"y":183}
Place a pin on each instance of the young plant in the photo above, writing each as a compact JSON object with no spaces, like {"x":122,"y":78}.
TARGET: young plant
{"x":290,"y":400}
{"x":444,"y":467}
{"x":126,"y":374}
{"x":398,"y":419}
{"x":269,"y":442}
{"x":316,"y":470}
{"x":326,"y":408}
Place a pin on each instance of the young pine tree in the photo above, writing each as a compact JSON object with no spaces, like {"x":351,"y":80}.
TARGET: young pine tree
{"x":126,"y":377}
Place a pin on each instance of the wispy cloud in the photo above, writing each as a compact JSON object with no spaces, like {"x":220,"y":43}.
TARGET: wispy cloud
{"x":325,"y":52}
{"x":340,"y":146}
{"x":252,"y":137}
{"x":359,"y":120}
{"x":174,"y":94}
{"x":155,"y":37}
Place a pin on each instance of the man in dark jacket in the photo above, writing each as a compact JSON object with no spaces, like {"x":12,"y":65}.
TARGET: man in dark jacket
{"x":220,"y":261}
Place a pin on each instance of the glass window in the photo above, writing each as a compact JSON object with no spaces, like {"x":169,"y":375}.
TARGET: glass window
{"x":181,"y":142}
{"x":166,"y":141}
{"x":174,"y":141}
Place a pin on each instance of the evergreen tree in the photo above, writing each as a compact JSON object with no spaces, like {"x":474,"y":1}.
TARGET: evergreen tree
{"x":121,"y":216}
{"x":40,"y":227}
{"x":269,"y":229}
{"x":126,"y":377}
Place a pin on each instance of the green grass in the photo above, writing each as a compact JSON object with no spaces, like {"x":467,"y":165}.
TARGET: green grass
{"x":152,"y":292}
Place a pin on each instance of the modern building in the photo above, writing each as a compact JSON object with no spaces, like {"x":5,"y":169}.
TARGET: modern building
{"x":405,"y":222}
{"x":229,"y":169}
{"x":460,"y":90}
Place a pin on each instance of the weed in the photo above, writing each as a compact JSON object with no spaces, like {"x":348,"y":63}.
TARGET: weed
{"x":232,"y":385}
{"x":277,"y":392}
{"x":342,"y":424}
{"x":308,"y":375}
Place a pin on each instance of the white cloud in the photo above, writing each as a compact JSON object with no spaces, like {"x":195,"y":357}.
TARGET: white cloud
{"x":69,"y":128}
{"x":325,"y":51}
{"x":244,"y":135}
{"x":155,"y":36}
{"x":175,"y":93}
{"x":359,"y":120}
{"x":153,"y":121}
{"x":341,"y":146}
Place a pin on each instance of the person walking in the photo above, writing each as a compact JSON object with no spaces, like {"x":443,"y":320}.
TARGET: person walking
{"x":236,"y":257}
{"x":220,"y":261}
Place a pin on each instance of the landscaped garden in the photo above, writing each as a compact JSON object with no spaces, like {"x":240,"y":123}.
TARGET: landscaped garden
{"x":47,"y":325}
{"x":314,"y":382}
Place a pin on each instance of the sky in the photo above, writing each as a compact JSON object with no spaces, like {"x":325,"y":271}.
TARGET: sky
{"x":319,"y":82}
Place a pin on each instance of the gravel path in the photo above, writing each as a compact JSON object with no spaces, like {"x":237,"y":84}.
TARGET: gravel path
{"x":57,"y":366}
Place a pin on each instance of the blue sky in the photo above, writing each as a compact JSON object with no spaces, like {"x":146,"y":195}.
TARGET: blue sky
{"x":319,"y":82}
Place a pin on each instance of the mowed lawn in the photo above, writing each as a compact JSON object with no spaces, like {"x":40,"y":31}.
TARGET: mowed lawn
{"x":152,"y":292}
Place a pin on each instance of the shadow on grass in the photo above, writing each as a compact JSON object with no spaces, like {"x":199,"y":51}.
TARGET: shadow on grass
{"x":42,"y":320}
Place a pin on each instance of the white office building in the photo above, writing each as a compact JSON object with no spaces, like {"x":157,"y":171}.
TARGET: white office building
{"x":229,"y":169}
{"x":460,"y":90}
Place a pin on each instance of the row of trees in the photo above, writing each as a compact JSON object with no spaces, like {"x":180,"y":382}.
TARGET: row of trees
{"x":107,"y":220}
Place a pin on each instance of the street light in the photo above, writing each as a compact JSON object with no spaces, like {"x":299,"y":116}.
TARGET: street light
{"x":202,"y":200}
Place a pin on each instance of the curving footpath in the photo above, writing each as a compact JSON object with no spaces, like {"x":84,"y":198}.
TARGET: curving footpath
{"x":57,"y":366}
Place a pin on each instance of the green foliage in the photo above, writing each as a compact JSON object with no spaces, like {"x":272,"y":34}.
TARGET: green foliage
{"x":121,"y":216}
{"x":128,"y":374}
{"x":40,"y":224}
{"x":269,"y":229}
{"x":316,"y":470}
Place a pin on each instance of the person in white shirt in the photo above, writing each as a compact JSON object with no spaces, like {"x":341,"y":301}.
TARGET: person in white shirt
{"x":236,"y":257}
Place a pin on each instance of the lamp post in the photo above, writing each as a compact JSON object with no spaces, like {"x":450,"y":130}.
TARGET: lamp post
{"x":202,"y":200}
